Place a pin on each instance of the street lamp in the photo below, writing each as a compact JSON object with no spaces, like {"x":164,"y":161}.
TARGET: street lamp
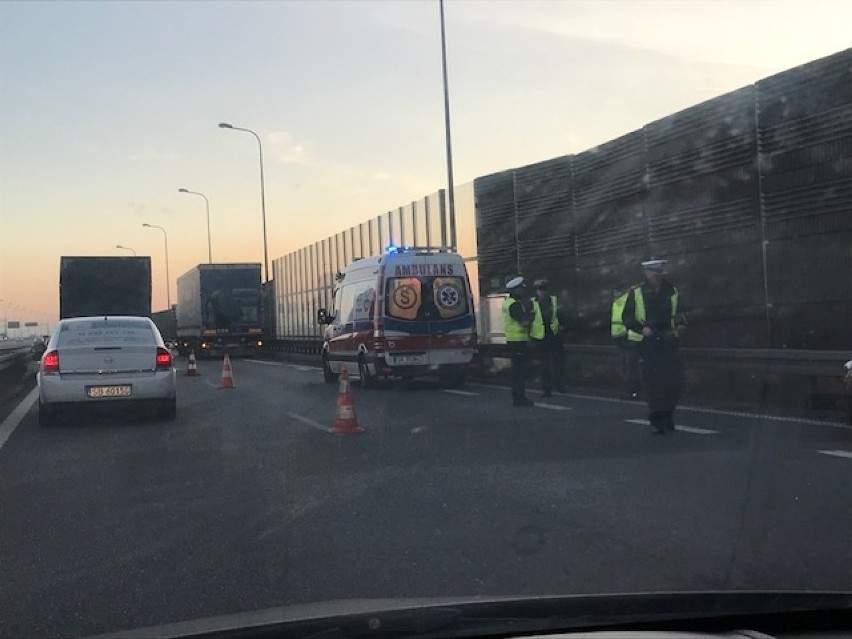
{"x":225,"y":125}
{"x":207,"y":203}
{"x":166,"y":239}
{"x":126,"y":248}
{"x":451,"y":191}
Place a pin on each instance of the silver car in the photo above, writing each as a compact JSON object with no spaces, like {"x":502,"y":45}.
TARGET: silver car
{"x":106,"y":360}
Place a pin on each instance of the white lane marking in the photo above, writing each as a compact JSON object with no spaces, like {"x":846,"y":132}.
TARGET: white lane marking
{"x":847,"y":454}
{"x":552,"y":406}
{"x":11,"y":422}
{"x":697,"y":431}
{"x":260,"y":361}
{"x":211,"y":384}
{"x":692,"y":409}
{"x":309,"y":422}
{"x":453,"y":391}
{"x":771,"y":418}
{"x":684,"y":429}
{"x":309,"y":369}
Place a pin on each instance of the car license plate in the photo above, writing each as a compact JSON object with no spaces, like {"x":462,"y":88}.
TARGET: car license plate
{"x":108,"y":391}
{"x":407,"y":359}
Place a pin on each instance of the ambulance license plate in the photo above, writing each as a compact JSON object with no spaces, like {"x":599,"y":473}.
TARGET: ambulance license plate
{"x":96,"y":392}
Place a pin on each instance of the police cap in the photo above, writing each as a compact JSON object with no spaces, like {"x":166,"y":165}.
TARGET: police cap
{"x":656,"y":266}
{"x":515,"y":283}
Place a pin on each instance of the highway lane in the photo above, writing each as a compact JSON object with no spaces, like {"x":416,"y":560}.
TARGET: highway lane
{"x":244,"y":502}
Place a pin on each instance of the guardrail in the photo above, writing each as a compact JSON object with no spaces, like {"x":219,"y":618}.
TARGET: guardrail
{"x":11,"y":344}
{"x":806,"y":379}
{"x":778,"y":360}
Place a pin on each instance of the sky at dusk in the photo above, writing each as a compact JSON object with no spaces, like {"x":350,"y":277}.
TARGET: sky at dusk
{"x":108,"y":108}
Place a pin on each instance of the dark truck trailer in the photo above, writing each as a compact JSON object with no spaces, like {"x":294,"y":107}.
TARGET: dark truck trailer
{"x":166,"y":321}
{"x":219,"y":310}
{"x":104,"y":286}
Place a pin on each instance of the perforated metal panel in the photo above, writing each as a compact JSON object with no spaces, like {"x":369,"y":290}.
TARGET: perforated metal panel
{"x":749,"y":196}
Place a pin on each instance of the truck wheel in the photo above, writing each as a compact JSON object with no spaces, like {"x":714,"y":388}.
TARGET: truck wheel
{"x":368,"y":380}
{"x":328,"y":375}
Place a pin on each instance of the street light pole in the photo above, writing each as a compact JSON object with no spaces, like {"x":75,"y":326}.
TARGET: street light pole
{"x":451,"y":190}
{"x":225,"y":125}
{"x":126,"y":248}
{"x":168,"y":280}
{"x":207,"y":204}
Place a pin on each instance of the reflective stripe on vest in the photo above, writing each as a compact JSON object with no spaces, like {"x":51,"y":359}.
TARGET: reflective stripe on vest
{"x":514,"y":330}
{"x":537,"y":328}
{"x":640,"y":311}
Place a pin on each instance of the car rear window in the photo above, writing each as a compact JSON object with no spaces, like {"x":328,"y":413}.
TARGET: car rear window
{"x":106,"y":333}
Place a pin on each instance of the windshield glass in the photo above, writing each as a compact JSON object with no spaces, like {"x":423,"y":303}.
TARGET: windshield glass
{"x":457,"y":298}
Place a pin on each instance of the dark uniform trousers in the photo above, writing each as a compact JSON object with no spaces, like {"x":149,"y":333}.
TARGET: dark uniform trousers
{"x":520,"y":361}
{"x":630,"y":355}
{"x":663,"y":374}
{"x":551,"y":358}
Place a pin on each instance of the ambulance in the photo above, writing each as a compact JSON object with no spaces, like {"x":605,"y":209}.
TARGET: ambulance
{"x":406,"y":313}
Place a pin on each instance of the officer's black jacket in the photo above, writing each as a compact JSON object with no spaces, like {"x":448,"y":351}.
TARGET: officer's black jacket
{"x":658,"y":308}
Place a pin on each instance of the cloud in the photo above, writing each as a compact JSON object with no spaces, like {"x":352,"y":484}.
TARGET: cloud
{"x":716,"y":32}
{"x":285,"y":149}
{"x":381,"y":176}
{"x":138,"y":209}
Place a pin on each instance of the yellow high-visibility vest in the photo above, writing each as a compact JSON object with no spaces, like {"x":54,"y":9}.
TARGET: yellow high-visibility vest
{"x":537,"y":327}
{"x":640,"y":311}
{"x":514,"y":330}
{"x":616,"y":325}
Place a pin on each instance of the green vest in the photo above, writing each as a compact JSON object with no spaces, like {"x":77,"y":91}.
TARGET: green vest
{"x":514,"y":330}
{"x":537,"y":327}
{"x":640,"y":312}
{"x":617,"y":327}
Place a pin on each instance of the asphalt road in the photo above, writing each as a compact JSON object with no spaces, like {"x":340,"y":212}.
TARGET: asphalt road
{"x":109,"y":522}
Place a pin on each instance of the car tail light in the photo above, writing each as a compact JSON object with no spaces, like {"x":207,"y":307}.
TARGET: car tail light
{"x":378,"y":338}
{"x":50,"y":362}
{"x":164,"y":359}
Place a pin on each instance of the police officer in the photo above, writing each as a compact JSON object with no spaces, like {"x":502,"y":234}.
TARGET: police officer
{"x":627,"y":348}
{"x":652,"y":315}
{"x":517,"y":318}
{"x":544,"y":333}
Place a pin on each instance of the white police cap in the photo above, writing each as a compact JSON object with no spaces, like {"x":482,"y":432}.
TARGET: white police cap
{"x":656,"y":266}
{"x":514,"y":283}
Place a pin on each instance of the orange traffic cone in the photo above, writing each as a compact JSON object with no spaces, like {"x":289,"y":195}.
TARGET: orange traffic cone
{"x":345,"y":423}
{"x":227,"y":380}
{"x":192,"y":367}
